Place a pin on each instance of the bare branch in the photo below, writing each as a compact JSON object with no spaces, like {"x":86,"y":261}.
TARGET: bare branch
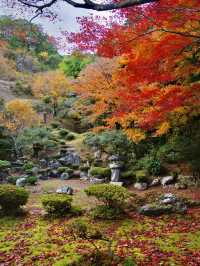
{"x":88,"y":4}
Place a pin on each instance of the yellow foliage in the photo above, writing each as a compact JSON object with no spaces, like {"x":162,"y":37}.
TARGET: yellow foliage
{"x":51,"y":83}
{"x":135,"y":134}
{"x":44,"y":55}
{"x":18,"y":115}
{"x":162,"y":129}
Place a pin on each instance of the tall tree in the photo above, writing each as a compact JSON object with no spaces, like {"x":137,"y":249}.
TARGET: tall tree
{"x":158,"y":49}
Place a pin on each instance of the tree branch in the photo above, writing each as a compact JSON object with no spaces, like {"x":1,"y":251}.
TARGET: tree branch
{"x":88,"y":4}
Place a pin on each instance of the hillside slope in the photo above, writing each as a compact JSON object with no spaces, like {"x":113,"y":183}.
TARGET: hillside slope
{"x":6,"y":90}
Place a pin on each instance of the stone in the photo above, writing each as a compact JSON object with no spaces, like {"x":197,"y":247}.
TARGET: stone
{"x":115,"y":171}
{"x":21,"y":182}
{"x":35,"y":170}
{"x":76,"y":174}
{"x":141,"y":186}
{"x":42,"y":177}
{"x":167,"y":180}
{"x":155,"y":182}
{"x":65,"y":190}
{"x":64,"y":176}
{"x":84,"y":175}
{"x":54,"y":174}
{"x":43,"y":162}
{"x":54,"y":164}
{"x":70,"y":158}
{"x":155,"y":210}
{"x":168,"y":198}
{"x":94,"y":180}
{"x":114,"y":158}
{"x":168,"y":203}
{"x":117,"y":183}
{"x":97,"y":155}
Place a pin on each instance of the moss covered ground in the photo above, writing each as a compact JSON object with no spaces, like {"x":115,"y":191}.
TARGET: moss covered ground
{"x":35,"y":240}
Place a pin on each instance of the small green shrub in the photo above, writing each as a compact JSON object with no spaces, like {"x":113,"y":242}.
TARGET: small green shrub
{"x":12,"y":198}
{"x":62,"y":169}
{"x":128,"y":174}
{"x":104,"y":172}
{"x":4,"y":164}
{"x":141,"y":176}
{"x":12,"y":179}
{"x":32,"y":180}
{"x":28,"y":166}
{"x":111,"y":195}
{"x":70,"y":136}
{"x":154,"y":167}
{"x":80,"y":228}
{"x":57,"y":205}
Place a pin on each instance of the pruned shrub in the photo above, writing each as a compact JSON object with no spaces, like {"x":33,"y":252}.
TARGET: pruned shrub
{"x":101,"y":171}
{"x":114,"y":199}
{"x":28,"y":166}
{"x":141,"y":176}
{"x":80,"y":228}
{"x":12,"y":198}
{"x":56,"y":204}
{"x":31,"y":180}
{"x":4,"y":164}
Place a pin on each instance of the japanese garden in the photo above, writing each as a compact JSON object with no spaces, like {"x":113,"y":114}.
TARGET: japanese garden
{"x":100,"y":133}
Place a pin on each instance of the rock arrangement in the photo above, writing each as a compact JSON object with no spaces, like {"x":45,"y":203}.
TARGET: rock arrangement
{"x":166,"y":204}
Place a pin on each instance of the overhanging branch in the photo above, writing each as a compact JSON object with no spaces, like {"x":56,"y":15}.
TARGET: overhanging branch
{"x":87,"y":4}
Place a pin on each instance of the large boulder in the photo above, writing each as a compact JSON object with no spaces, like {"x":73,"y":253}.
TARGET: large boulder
{"x":155,"y":182}
{"x":167,"y":180}
{"x":155,"y":210}
{"x":65,"y":190}
{"x":141,"y":186}
{"x":168,"y":198}
{"x":21,"y":182}
{"x":167,"y":204}
{"x":94,"y":180}
{"x":64,"y":176}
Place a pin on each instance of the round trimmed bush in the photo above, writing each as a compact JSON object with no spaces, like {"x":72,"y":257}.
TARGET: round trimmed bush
{"x":12,"y":198}
{"x":32,"y":180}
{"x":56,"y":204}
{"x":111,"y":195}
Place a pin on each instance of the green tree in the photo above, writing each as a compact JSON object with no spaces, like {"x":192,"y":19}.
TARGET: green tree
{"x":73,"y":64}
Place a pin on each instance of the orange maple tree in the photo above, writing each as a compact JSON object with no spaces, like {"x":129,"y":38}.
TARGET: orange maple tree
{"x":157,"y":47}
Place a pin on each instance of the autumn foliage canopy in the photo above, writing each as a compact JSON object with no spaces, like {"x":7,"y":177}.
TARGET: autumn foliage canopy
{"x":155,"y":86}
